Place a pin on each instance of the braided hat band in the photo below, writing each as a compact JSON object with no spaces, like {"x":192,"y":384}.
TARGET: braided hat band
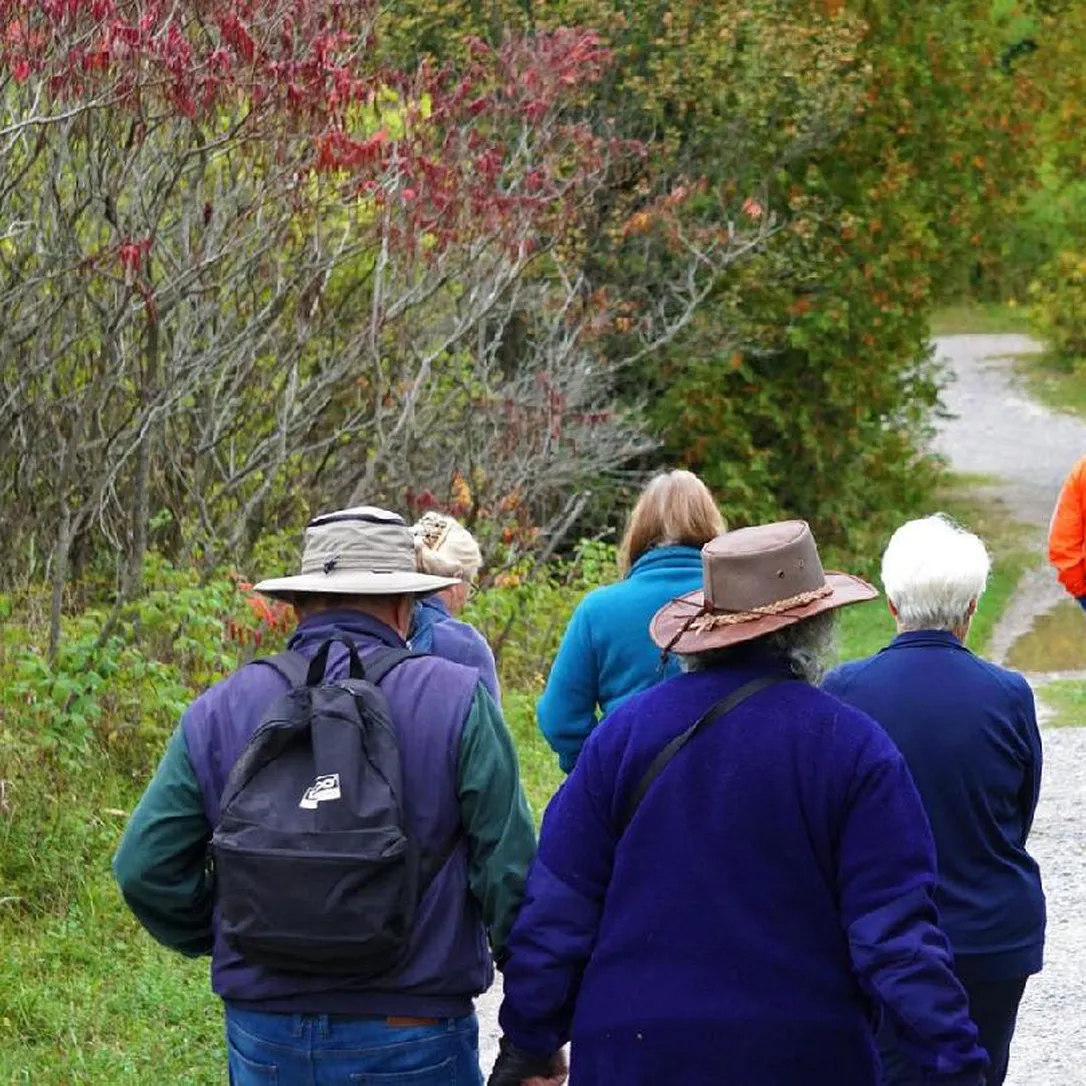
{"x":754,"y":581}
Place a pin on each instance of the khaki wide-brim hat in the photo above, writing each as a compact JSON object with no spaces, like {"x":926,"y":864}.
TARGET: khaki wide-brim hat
{"x":754,"y":581}
{"x":364,"y":551}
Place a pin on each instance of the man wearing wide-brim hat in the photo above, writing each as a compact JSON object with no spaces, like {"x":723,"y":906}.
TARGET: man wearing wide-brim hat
{"x":737,"y":878}
{"x":358,"y":583}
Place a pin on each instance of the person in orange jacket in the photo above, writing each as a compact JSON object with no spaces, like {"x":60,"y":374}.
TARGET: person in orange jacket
{"x":1067,"y":534}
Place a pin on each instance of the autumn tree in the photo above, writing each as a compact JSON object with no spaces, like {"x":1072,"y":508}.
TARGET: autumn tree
{"x":253,"y":267}
{"x":890,"y":146}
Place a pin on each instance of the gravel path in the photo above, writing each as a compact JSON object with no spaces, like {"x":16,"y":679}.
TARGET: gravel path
{"x":996,"y":431}
{"x":1050,"y":1044}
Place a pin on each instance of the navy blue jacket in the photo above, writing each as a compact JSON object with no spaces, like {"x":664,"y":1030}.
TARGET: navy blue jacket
{"x":969,"y":734}
{"x":773,"y":889}
{"x":434,"y":630}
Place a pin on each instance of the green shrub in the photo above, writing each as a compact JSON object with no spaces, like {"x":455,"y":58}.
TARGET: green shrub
{"x":524,"y":614}
{"x":1059,"y":307}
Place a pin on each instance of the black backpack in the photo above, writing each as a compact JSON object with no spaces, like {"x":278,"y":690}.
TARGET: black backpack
{"x":315,"y":869}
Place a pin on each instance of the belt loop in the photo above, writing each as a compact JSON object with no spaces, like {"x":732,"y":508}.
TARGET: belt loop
{"x":297,"y":1025}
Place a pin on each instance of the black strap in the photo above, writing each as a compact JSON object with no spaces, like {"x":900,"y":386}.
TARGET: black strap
{"x":300,"y":671}
{"x":378,"y":664}
{"x":293,"y":666}
{"x":714,"y":713}
{"x":319,"y":664}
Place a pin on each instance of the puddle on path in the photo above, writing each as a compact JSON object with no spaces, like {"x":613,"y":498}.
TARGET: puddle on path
{"x":1055,"y":642}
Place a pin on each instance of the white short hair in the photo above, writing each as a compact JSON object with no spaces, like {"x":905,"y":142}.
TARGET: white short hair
{"x":932,"y":570}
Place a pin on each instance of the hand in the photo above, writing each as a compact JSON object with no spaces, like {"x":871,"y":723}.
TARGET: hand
{"x":558,"y":1073}
{"x":515,"y":1067}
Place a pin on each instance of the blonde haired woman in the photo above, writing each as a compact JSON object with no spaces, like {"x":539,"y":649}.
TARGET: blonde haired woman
{"x":606,"y":653}
{"x":445,"y":548}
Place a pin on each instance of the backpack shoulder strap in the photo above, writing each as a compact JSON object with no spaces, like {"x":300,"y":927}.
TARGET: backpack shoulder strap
{"x":378,"y":664}
{"x":293,"y":666}
{"x":714,"y":713}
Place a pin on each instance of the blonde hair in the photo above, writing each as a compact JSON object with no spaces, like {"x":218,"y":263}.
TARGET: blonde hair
{"x":675,"y":508}
{"x":445,"y":548}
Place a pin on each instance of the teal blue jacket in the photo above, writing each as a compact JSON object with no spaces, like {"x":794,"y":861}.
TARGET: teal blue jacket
{"x":606,"y":653}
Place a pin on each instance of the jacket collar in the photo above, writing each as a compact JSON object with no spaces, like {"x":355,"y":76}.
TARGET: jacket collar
{"x":436,"y":603}
{"x":677,"y":556}
{"x":926,"y":639}
{"x":343,"y":622}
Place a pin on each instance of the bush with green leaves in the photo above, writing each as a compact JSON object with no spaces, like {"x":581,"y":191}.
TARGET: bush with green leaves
{"x":526,"y":611}
{"x":1058,"y":309}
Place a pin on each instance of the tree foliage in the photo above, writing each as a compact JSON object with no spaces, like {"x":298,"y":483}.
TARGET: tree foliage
{"x":887,"y":145}
{"x":247,"y":267}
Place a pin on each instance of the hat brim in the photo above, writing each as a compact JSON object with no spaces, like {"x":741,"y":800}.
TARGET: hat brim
{"x":670,"y":619}
{"x":354,"y":583}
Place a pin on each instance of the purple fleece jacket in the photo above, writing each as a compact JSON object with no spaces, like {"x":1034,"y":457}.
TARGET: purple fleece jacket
{"x":772,"y":893}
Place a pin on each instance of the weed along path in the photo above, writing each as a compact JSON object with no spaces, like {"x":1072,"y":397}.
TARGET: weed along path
{"x":1024,"y":450}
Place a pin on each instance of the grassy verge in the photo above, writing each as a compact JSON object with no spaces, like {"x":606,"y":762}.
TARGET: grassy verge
{"x":85,"y":997}
{"x":1054,"y":383}
{"x":978,"y":318}
{"x":1066,"y":700}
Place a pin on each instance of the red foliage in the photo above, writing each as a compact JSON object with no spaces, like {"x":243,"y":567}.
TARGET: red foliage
{"x":486,"y":148}
{"x":272,"y":616}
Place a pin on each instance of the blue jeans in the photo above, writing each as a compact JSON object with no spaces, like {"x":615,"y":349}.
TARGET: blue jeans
{"x":267,"y":1049}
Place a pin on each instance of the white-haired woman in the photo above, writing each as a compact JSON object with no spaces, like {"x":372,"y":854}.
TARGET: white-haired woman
{"x":968,"y":732}
{"x":445,"y":548}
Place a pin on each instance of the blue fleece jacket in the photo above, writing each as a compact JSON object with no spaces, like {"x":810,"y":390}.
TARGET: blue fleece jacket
{"x":774,"y":887}
{"x":968,"y":732}
{"x":434,"y":630}
{"x":606,"y":653}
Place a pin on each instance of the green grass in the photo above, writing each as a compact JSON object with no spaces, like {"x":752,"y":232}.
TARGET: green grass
{"x":978,"y":318}
{"x":85,"y":996}
{"x":1066,"y":698}
{"x":1054,"y":383}
{"x":539,"y":770}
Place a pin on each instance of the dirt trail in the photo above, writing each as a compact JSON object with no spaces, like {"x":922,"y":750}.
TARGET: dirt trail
{"x":1025,"y":449}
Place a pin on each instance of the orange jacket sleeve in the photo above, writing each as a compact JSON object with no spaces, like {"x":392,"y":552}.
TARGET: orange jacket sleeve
{"x":1067,"y":532}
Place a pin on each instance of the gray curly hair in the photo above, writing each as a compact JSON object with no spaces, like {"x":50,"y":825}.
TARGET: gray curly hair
{"x":806,"y":648}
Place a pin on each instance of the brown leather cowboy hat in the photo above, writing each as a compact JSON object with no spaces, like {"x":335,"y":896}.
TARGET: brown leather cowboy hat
{"x":754,"y":581}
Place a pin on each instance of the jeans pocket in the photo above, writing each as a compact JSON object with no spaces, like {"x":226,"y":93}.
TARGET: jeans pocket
{"x":441,"y":1074}
{"x":247,"y":1072}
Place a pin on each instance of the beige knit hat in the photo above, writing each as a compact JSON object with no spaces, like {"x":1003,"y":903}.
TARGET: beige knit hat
{"x":445,"y":548}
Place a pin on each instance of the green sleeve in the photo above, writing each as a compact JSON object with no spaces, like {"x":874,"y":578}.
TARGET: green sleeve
{"x":161,"y":863}
{"x":497,"y":822}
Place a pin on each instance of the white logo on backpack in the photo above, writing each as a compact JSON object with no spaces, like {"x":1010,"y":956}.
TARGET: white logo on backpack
{"x":323,"y":788}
